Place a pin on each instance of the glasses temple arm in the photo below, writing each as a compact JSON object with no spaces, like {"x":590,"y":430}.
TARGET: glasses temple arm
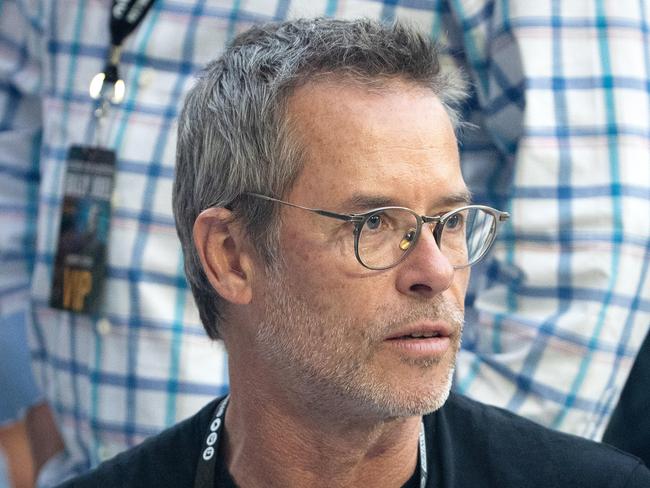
{"x":325,"y":213}
{"x":334,"y":215}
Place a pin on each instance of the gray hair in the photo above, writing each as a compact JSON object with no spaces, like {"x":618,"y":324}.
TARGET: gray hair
{"x":234,"y":135}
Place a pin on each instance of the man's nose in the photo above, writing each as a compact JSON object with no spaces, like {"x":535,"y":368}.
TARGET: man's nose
{"x":425,"y":272}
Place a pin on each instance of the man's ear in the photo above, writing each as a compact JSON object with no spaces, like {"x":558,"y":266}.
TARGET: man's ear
{"x":226,"y":262}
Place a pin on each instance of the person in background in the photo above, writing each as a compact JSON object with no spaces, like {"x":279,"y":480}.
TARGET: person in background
{"x":559,"y":139}
{"x":16,"y":391}
{"x":14,"y":447}
{"x":4,"y":473}
{"x":563,"y":106}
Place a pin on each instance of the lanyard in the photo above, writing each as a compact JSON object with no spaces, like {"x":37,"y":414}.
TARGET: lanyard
{"x":126,"y":15}
{"x":208,"y":458}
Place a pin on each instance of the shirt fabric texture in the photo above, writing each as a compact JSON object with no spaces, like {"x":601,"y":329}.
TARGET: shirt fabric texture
{"x":561,"y":115}
{"x":469,"y":444}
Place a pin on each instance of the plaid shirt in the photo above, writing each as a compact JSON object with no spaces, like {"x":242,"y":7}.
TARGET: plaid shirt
{"x":561,"y":140}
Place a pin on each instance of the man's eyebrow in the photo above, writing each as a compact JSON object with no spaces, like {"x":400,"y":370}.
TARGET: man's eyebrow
{"x":361,"y":202}
{"x":367,"y":202}
{"x":459,"y":198}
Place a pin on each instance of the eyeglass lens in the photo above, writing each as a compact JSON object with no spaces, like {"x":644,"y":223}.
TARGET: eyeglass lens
{"x":388,"y":234}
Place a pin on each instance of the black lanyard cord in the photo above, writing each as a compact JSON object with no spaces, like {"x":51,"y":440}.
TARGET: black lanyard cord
{"x":125,"y":17}
{"x":208,"y":458}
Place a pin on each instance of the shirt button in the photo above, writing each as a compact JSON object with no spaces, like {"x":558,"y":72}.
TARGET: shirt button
{"x":104,"y":326}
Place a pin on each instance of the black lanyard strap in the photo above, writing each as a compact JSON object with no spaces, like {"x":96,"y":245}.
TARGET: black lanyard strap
{"x":126,"y":15}
{"x":208,"y":457}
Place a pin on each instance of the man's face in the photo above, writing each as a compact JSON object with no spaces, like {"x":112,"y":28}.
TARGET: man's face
{"x":332,"y":333}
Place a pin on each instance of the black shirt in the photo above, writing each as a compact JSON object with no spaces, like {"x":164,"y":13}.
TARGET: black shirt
{"x":468,"y":445}
{"x":629,"y":427}
{"x":224,"y":480}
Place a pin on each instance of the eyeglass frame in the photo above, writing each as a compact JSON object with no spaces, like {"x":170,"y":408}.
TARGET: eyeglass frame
{"x":359,"y":220}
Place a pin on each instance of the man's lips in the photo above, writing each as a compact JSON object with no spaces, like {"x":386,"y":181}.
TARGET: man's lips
{"x":422,"y":340}
{"x":422,"y":330}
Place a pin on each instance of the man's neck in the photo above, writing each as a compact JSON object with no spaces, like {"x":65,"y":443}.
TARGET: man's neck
{"x":269,"y":444}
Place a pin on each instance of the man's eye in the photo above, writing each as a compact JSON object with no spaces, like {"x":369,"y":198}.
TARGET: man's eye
{"x":454,"y":222}
{"x":374,"y":222}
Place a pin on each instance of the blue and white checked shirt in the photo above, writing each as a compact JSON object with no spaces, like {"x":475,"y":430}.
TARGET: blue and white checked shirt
{"x":562,"y":141}
{"x":561,"y":311}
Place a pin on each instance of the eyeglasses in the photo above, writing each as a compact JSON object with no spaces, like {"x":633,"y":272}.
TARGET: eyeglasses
{"x":384,"y":236}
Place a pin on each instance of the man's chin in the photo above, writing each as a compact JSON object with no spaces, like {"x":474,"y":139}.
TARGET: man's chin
{"x":423,"y":405}
{"x":419,"y":385}
{"x":403,"y":400}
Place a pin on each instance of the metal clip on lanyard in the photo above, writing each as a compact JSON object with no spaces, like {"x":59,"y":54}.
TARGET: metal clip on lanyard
{"x":126,"y":15}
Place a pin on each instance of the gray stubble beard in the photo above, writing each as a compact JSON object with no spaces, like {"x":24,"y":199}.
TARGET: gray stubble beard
{"x":342,"y":383}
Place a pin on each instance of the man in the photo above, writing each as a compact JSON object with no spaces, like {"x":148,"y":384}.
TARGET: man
{"x":561,"y":138}
{"x":328,"y":236}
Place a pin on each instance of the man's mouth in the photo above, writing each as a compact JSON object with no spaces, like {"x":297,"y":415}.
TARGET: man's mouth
{"x":422,"y":340}
{"x":423,"y":330}
{"x":417,"y":335}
